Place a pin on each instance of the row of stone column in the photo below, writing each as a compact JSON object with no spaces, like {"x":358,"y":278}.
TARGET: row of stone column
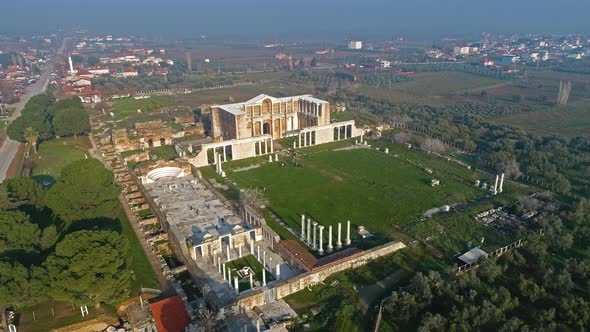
{"x":306,"y":236}
{"x":266,"y":150}
{"x":501,"y":189}
{"x":306,"y":141}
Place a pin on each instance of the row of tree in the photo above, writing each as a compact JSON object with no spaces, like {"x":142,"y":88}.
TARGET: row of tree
{"x":42,"y":119}
{"x":62,"y":243}
{"x":544,"y":286}
{"x":475,"y":69}
{"x":558,"y":162}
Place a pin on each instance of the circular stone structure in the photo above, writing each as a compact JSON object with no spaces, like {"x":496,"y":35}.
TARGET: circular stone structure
{"x":164,"y":172}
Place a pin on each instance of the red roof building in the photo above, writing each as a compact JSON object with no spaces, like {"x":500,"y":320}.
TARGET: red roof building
{"x":170,"y":314}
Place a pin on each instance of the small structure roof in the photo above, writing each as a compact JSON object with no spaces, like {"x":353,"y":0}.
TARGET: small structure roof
{"x":170,"y":314}
{"x":473,"y":255}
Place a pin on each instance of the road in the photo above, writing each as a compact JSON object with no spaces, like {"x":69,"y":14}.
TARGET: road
{"x":9,"y":147}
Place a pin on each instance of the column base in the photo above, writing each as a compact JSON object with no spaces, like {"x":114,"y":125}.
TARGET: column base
{"x":321,"y":251}
{"x":347,"y":242}
{"x":330,"y":249}
{"x":338,"y":245}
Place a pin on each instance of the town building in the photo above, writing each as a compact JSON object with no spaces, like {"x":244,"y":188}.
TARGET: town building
{"x":355,"y":45}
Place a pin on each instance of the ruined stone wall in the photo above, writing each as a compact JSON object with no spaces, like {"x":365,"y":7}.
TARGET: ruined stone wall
{"x":215,"y":122}
{"x":300,"y":282}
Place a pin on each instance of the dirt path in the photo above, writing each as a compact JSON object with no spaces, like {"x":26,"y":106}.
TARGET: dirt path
{"x":369,"y":294}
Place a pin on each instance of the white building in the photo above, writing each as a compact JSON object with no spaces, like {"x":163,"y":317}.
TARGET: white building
{"x":384,"y":63}
{"x":355,"y":45}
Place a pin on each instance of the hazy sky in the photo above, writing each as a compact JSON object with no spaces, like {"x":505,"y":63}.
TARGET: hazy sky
{"x":345,"y":18}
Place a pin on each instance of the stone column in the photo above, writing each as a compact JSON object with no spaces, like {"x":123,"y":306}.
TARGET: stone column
{"x":228,"y":253}
{"x":265,"y":146}
{"x":299,"y":141}
{"x":224,"y":155}
{"x":496,"y":186}
{"x":272,"y":148}
{"x":251,"y":281}
{"x":315,"y":224}
{"x":224,"y":272}
{"x":278,"y":271}
{"x":236,"y":285}
{"x":330,"y":247}
{"x":294,"y":145}
{"x":302,"y":227}
{"x":339,"y":242}
{"x":264,"y":259}
{"x":229,"y":276}
{"x":348,"y":232}
{"x":308,"y":231}
{"x":501,"y":183}
{"x":258,"y":256}
{"x":213,"y":257}
{"x":240,"y":251}
{"x":263,"y":277}
{"x":321,"y":250}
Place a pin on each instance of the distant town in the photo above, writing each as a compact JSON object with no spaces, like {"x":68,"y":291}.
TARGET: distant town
{"x":196,"y":184}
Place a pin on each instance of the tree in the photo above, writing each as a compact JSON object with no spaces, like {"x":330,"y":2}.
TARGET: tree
{"x":511,"y":169}
{"x":314,"y":62}
{"x":89,"y":267}
{"x":253,"y":197}
{"x":19,"y":286}
{"x":84,"y":190}
{"x":31,"y":136}
{"x":92,"y":61}
{"x":433,"y":145}
{"x":71,"y":121}
{"x":20,"y":191}
{"x":18,"y":234}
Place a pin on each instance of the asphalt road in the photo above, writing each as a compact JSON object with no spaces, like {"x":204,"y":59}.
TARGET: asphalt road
{"x":9,"y":148}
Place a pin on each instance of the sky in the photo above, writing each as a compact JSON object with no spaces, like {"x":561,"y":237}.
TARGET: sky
{"x":266,"y":18}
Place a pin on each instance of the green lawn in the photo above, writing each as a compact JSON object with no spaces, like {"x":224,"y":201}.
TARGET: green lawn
{"x":143,"y":274}
{"x":57,"y":153}
{"x":367,"y":187}
{"x":164,"y":152}
{"x":251,"y":262}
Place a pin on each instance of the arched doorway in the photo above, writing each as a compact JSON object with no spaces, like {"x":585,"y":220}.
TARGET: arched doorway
{"x":162,"y":141}
{"x":265,"y":128}
{"x":150,"y":143}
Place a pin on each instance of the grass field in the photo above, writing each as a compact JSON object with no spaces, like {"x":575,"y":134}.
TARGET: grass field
{"x":56,"y":153}
{"x":367,"y":187}
{"x":251,"y":262}
{"x":143,"y":274}
{"x":570,"y":121}
{"x":431,"y":88}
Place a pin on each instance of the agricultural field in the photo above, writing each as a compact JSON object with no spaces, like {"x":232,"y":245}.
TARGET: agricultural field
{"x":127,"y":107}
{"x":367,"y":187}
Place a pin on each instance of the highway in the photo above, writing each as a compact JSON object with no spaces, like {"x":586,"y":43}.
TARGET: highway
{"x":9,"y":148}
